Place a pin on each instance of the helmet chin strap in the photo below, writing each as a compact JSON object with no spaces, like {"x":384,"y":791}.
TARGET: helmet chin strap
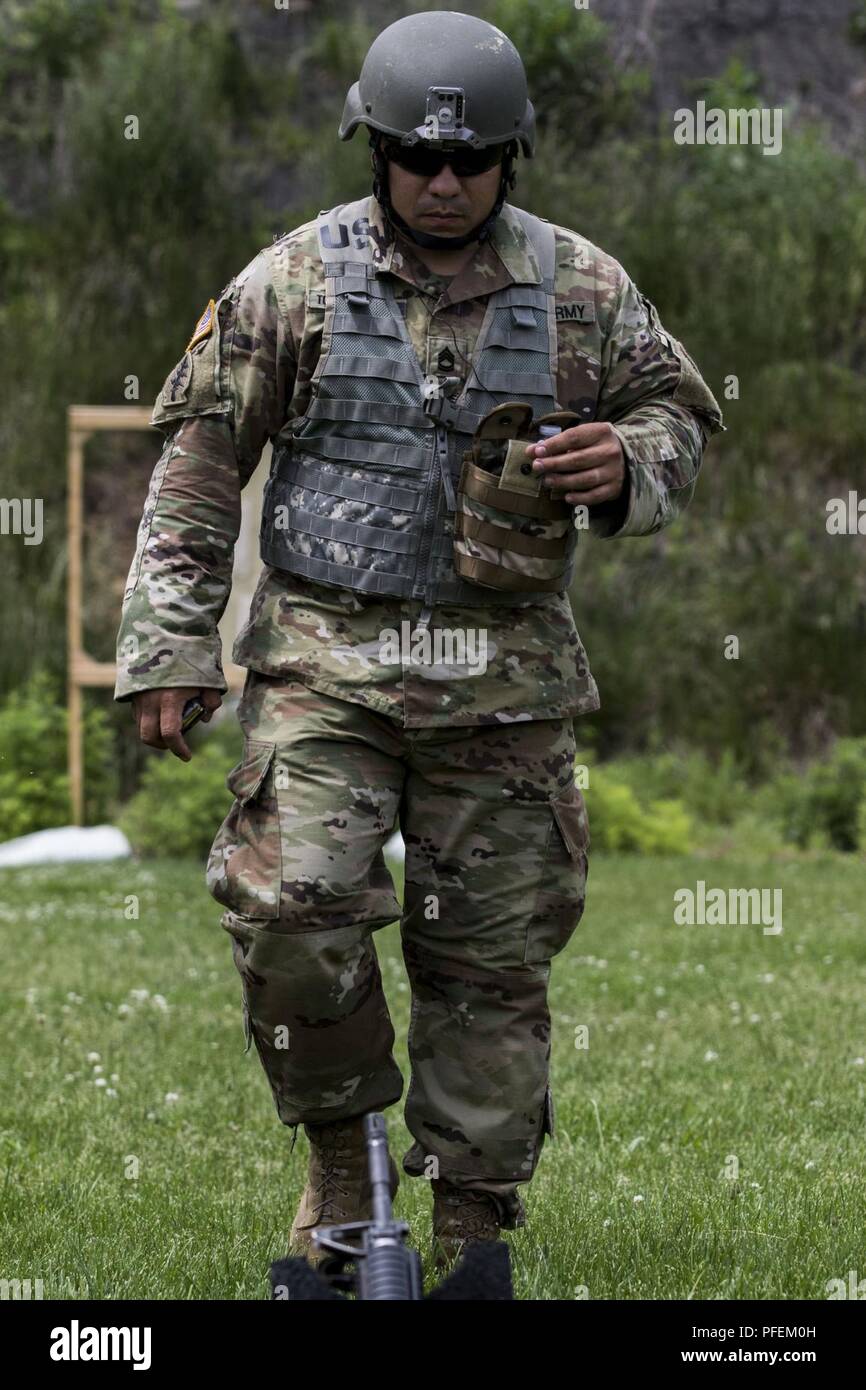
{"x":429,"y":239}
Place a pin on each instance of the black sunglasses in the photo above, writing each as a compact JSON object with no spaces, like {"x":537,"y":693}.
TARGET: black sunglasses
{"x":427,"y":162}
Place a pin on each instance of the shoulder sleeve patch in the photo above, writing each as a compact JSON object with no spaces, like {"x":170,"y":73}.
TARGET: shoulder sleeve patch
{"x":193,"y":386}
{"x":204,"y":327}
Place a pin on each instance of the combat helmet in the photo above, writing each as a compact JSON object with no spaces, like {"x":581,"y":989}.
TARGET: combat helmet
{"x":447,"y":80}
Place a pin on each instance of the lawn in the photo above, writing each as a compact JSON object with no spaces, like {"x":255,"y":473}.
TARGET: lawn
{"x":709,"y":1139}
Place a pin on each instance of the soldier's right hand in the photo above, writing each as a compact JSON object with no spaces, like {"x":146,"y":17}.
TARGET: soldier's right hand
{"x":158,"y":715}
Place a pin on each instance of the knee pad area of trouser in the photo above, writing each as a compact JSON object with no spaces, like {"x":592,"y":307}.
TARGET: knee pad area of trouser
{"x":315,"y":1007}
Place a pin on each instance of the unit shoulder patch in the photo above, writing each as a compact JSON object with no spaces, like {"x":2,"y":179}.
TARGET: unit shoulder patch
{"x":175,"y":390}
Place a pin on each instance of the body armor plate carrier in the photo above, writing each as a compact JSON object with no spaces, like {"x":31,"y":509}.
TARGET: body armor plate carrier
{"x":363,"y":488}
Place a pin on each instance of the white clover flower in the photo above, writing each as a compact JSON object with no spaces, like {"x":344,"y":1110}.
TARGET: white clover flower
{"x":734,"y":1006}
{"x":93,"y":1057}
{"x":100,"y":1081}
{"x":97,"y":1069}
{"x":699,"y":969}
{"x":637,"y":1198}
{"x":810,"y":1163}
{"x":754,"y":1018}
{"x":662,"y":1014}
{"x":171,"y":1097}
{"x":160,"y":1002}
{"x":710,"y":1055}
{"x":858,"y":1062}
{"x":110,"y":1091}
{"x":123,"y":1010}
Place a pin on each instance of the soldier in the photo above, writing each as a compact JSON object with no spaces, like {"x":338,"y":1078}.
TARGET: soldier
{"x":412,"y":656}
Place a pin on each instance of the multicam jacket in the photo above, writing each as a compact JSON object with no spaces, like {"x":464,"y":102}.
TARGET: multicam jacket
{"x":247,"y":377}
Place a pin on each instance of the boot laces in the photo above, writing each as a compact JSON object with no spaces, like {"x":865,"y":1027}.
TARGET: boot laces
{"x":329,"y":1147}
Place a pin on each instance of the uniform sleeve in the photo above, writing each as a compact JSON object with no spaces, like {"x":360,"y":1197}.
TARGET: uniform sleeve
{"x":662,"y":411}
{"x":219,"y":405}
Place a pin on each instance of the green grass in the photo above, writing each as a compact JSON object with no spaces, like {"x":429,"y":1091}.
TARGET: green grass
{"x":642,"y":1113}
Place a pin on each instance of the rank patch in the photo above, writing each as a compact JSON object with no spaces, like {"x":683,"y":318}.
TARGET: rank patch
{"x":204,"y":327}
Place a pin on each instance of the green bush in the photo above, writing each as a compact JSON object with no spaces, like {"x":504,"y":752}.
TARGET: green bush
{"x":828,"y":803}
{"x":714,"y":792}
{"x":619,"y":823}
{"x":179,"y":806}
{"x":667,"y":828}
{"x":34,"y":784}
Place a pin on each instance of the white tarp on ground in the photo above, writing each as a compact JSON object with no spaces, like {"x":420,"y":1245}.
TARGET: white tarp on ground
{"x":71,"y":843}
{"x":66,"y":844}
{"x":395,"y":848}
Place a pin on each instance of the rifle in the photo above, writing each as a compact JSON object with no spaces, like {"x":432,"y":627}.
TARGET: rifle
{"x":371,"y":1259}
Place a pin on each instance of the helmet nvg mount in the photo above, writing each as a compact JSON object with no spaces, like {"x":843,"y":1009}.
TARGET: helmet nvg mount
{"x":447,"y":80}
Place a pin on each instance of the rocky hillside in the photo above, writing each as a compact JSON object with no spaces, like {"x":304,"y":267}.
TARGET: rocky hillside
{"x":800,"y":49}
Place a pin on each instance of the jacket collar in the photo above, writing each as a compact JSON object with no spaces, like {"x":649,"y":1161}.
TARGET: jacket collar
{"x":504,"y":259}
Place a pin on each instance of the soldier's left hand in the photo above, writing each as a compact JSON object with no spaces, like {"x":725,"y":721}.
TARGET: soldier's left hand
{"x":585,"y":463}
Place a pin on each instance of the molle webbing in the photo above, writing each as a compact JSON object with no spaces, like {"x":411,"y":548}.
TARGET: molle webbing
{"x":361,"y":489}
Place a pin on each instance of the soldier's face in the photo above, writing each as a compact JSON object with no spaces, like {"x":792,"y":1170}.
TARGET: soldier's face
{"x":443,"y":205}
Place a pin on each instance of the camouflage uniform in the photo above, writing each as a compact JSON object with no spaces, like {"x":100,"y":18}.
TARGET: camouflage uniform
{"x":340,"y":744}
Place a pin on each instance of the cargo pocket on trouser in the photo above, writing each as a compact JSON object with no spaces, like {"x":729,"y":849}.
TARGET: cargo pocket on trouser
{"x":560,"y":900}
{"x":241,"y":940}
{"x":244,"y":869}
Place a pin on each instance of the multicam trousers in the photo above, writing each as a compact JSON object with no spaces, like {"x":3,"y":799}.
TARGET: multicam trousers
{"x":496,"y":860}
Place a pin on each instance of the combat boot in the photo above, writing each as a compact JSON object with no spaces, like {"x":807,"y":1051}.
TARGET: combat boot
{"x":338,"y":1183}
{"x":459,"y":1216}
